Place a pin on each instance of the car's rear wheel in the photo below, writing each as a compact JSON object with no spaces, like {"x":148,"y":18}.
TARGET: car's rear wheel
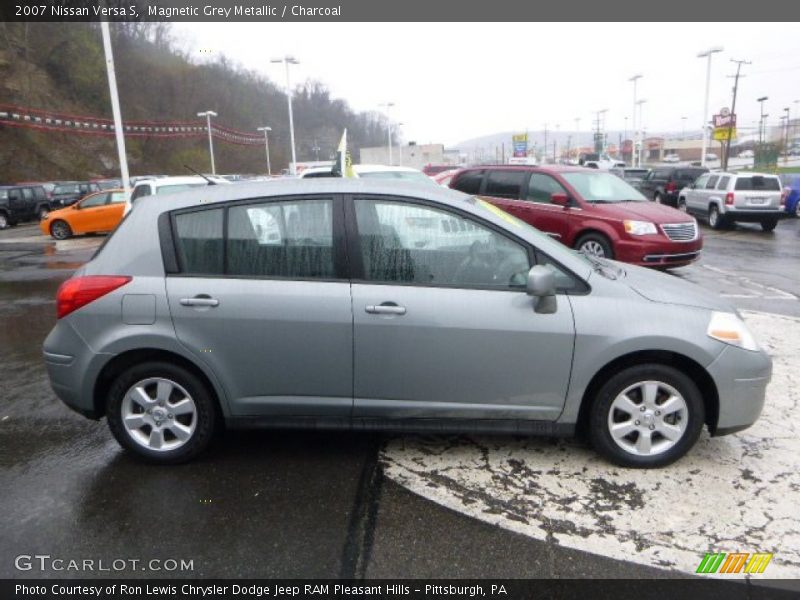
{"x":595,"y":244}
{"x":797,"y":209}
{"x":715,"y":220}
{"x":682,"y":205}
{"x":646,"y":416}
{"x":161,"y":412}
{"x":60,"y":230}
{"x":769,"y":225}
{"x":658,"y":198}
{"x":4,"y":223}
{"x":43,"y":212}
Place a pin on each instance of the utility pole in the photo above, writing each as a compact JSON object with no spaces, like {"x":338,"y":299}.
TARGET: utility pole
{"x":739,"y":64}
{"x":761,"y":120}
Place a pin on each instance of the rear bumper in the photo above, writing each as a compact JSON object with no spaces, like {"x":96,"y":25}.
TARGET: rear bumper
{"x":741,"y":378}
{"x":749,"y":216}
{"x":73,"y":369}
{"x":658,"y":253}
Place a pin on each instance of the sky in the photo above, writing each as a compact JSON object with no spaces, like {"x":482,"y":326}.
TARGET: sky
{"x":450,"y":82}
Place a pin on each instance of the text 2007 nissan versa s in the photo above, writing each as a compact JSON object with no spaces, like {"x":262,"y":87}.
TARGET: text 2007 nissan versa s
{"x":361,"y":304}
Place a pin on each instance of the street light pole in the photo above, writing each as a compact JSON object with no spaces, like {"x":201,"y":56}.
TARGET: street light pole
{"x":786,"y":139}
{"x":683,"y":128}
{"x":641,"y":123}
{"x":399,"y":146}
{"x":208,"y":114}
{"x":761,"y":119}
{"x":634,"y":79}
{"x":266,"y":130}
{"x":707,"y":54}
{"x":577,"y":138}
{"x":289,"y":60}
{"x":388,"y":105}
{"x":112,"y":87}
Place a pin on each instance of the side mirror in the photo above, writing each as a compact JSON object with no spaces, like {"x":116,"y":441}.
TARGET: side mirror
{"x":76,"y":206}
{"x":541,"y":285}
{"x":559,"y":198}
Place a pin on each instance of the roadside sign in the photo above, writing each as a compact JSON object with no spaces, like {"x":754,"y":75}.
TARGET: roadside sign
{"x":724,"y":123}
{"x":520,"y":144}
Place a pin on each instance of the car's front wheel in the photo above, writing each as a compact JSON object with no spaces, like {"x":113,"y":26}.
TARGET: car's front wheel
{"x":646,"y":416}
{"x":60,"y":230}
{"x":161,"y":412}
{"x":595,"y":244}
{"x":4,"y":223}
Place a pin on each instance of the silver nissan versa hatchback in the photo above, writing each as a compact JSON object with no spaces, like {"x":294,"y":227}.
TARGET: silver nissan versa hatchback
{"x":350,"y":303}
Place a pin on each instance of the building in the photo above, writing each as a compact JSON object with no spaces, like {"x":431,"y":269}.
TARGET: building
{"x":411,"y":155}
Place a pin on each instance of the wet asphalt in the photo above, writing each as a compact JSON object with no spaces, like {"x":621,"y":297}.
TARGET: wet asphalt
{"x":267,"y":504}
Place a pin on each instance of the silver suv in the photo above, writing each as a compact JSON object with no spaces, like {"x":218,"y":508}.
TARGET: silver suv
{"x":315,"y":303}
{"x":725,"y":198}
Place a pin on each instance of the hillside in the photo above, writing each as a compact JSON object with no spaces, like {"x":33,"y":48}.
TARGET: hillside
{"x":60,"y":67}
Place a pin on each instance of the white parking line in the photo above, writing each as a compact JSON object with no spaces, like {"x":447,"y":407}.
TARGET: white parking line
{"x":776,"y":294}
{"x":736,"y":493}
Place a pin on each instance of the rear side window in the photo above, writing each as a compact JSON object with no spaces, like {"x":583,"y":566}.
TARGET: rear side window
{"x":281,"y":239}
{"x":758,"y":183}
{"x":469,"y":182}
{"x":505,"y":184}
{"x":27,"y":193}
{"x":712,"y":182}
{"x":199,"y":242}
{"x":688,"y":174}
{"x":39,"y":194}
{"x":723,"y":182}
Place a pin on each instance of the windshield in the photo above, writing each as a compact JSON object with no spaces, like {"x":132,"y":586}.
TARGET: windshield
{"x":178,"y":187}
{"x":602,"y":188}
{"x":403,"y":175}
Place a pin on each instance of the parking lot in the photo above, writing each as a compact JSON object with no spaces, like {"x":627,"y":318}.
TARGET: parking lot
{"x":320,"y":504}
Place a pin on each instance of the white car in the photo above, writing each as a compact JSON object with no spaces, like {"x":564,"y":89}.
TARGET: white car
{"x":167,"y":185}
{"x":672,"y":158}
{"x":373,"y":172}
{"x":746,"y":154}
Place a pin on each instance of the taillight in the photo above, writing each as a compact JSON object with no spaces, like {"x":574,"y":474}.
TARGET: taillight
{"x":80,"y":291}
{"x":729,"y":198}
{"x":670,"y":187}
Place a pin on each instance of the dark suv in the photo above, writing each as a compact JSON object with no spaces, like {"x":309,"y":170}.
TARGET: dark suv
{"x":21,"y":203}
{"x":663,"y":184}
{"x":69,"y":192}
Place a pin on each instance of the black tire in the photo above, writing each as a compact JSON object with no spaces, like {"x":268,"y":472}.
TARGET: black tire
{"x":60,"y":230}
{"x":601,"y":437}
{"x":658,"y":198}
{"x":5,"y":223}
{"x":596,"y":241}
{"x":682,"y":205}
{"x":770,"y":225}
{"x":204,"y":403}
{"x":715,"y":220}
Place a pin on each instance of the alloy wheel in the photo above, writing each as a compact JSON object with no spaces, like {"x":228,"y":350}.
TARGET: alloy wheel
{"x":159,"y":414}
{"x":648,"y":418}
{"x":593,"y":247}
{"x":60,"y":230}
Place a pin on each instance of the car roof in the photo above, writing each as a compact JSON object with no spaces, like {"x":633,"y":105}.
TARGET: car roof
{"x":382,"y":168}
{"x":178,"y":180}
{"x":546,"y":168}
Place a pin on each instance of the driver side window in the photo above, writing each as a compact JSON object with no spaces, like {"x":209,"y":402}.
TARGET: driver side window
{"x":413,"y":243}
{"x":93,"y":201}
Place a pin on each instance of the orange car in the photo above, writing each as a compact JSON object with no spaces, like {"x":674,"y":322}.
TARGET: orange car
{"x":98,"y":212}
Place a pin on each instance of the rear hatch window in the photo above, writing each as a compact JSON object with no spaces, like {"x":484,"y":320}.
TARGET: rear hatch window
{"x":758,"y":183}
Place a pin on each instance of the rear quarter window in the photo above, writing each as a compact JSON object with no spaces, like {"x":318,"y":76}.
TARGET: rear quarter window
{"x":199,"y":241}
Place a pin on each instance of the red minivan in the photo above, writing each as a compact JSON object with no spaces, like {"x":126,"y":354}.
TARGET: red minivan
{"x":593,"y":211}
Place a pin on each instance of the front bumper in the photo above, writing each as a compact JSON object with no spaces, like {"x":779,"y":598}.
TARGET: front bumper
{"x":658,"y":253}
{"x":741,"y":377}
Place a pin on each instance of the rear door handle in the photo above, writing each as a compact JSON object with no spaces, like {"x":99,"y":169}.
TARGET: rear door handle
{"x":200,"y":300}
{"x":387,"y":308}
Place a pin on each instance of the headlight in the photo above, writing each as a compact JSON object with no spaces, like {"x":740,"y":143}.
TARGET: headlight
{"x":730,"y":329}
{"x":639,"y":227}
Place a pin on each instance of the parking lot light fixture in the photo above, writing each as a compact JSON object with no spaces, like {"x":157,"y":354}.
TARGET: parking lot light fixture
{"x":208,"y":114}
{"x":761,"y":118}
{"x":266,"y":131}
{"x":707,"y":54}
{"x":641,"y":125}
{"x":634,"y":79}
{"x":289,"y":60}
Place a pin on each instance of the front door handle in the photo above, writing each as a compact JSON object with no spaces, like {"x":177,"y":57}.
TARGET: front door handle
{"x":200,"y":300}
{"x":387,"y":308}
